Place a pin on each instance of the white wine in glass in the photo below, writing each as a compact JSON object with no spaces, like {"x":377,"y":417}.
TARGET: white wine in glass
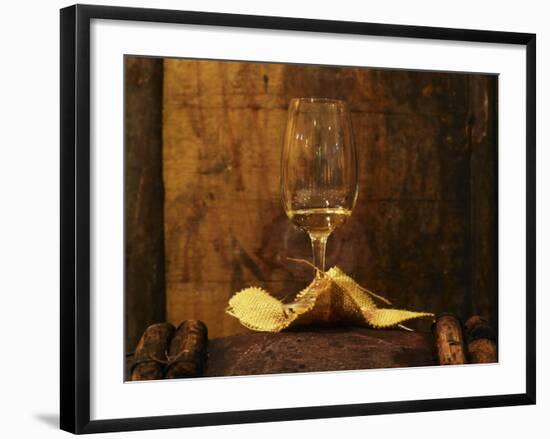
{"x":318,"y":169}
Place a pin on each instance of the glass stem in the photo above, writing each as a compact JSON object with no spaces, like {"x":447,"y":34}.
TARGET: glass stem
{"x":319,"y":245}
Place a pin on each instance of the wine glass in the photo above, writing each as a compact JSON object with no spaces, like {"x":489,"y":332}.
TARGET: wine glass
{"x":318,"y":169}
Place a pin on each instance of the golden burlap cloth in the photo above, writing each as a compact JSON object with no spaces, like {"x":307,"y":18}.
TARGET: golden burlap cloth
{"x":334,"y":298}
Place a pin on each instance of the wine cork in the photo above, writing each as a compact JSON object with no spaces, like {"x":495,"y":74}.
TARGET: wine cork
{"x":480,"y":341}
{"x":449,"y":340}
{"x":150,"y":352}
{"x":188,"y":350}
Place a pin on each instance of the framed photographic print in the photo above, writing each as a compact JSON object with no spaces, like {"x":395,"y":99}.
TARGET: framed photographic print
{"x":274,"y":218}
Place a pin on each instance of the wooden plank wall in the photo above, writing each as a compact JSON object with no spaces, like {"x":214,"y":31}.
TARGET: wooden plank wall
{"x":482,"y":138}
{"x":143,"y":197}
{"x":426,"y":147}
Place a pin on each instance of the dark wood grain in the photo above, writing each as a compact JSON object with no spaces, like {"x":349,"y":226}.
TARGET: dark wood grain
{"x":482,"y":139}
{"x":317,"y":350}
{"x":144,"y":198}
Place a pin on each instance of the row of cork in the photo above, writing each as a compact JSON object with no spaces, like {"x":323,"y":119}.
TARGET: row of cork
{"x":166,"y":352}
{"x":471,"y":343}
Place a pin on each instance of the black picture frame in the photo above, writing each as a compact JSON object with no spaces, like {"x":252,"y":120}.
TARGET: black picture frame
{"x":75,"y":217}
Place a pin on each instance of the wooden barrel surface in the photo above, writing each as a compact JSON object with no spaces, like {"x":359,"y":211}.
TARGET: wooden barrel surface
{"x":318,"y":350}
